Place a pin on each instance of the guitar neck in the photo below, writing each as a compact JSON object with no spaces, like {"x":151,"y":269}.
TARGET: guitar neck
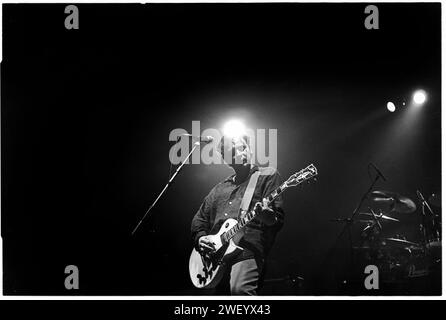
{"x":277,"y":192}
{"x":296,"y":179}
{"x":251,"y":214}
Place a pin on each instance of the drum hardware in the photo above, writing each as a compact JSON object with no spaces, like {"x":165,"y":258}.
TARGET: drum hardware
{"x":397,"y":258}
{"x":379,"y":216}
{"x":425,"y":204}
{"x":429,"y":226}
{"x":435,"y":200}
{"x":375,"y":218}
{"x":347,"y":220}
{"x":348,"y":223}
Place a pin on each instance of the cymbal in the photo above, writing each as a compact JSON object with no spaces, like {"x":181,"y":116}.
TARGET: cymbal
{"x":391,"y":201}
{"x":401,"y":242}
{"x":379,"y":216}
{"x":435,"y":199}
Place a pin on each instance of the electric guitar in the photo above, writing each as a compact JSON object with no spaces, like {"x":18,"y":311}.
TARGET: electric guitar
{"x":206,"y":270}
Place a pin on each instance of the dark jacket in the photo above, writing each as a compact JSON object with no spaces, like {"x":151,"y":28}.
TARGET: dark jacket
{"x":223,"y":202}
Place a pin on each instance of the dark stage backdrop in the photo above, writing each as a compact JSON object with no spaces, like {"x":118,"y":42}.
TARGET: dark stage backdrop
{"x":86,"y":116}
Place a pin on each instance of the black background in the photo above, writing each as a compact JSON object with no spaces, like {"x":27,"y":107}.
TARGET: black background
{"x":86,"y":116}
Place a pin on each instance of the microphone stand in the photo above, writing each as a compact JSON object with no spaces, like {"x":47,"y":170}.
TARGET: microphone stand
{"x":196,"y":144}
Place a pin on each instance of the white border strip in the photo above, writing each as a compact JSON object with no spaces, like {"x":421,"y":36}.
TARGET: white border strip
{"x":272,"y":298}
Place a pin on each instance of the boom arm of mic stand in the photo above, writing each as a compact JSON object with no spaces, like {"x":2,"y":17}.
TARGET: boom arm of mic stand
{"x":364,"y":196}
{"x":196,"y":144}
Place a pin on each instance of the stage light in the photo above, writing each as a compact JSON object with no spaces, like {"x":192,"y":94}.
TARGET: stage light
{"x":391,"y":106}
{"x":234,"y":129}
{"x":419,"y":97}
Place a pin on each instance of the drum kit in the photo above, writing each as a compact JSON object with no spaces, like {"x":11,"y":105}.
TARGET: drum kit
{"x":397,"y":256}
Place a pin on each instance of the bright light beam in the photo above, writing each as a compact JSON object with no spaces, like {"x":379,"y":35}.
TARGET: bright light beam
{"x":419,"y":97}
{"x":391,"y":106}
{"x":234,"y":129}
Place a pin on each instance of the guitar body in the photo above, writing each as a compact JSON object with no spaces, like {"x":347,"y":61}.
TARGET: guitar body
{"x":207,"y":270}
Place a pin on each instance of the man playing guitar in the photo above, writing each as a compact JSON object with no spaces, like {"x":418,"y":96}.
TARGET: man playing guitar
{"x":223,"y":202}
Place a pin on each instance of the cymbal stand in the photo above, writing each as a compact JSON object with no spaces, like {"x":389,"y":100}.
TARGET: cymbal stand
{"x":424,"y":217}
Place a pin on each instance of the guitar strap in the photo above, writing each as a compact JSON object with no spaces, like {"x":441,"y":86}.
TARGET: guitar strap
{"x":249,"y":192}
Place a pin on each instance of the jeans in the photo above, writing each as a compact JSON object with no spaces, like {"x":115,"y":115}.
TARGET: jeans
{"x":245,"y":278}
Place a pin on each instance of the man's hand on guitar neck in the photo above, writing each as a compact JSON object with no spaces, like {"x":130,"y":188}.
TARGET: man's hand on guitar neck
{"x":265,"y":213}
{"x":205,"y":244}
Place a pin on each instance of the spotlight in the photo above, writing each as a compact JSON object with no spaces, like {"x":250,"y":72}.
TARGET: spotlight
{"x":419,"y":97}
{"x":234,"y":129}
{"x":391,"y":106}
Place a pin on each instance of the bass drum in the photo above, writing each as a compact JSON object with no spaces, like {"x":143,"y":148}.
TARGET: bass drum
{"x":433,"y":248}
{"x":401,"y":259}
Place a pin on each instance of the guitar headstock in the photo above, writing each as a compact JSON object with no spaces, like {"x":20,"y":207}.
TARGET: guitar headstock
{"x":303,"y":175}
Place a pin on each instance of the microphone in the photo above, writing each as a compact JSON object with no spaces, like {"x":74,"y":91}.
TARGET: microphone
{"x":379,"y":172}
{"x":202,"y":139}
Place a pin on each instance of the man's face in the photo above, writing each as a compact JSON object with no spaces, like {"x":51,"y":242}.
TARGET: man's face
{"x":237,"y":152}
